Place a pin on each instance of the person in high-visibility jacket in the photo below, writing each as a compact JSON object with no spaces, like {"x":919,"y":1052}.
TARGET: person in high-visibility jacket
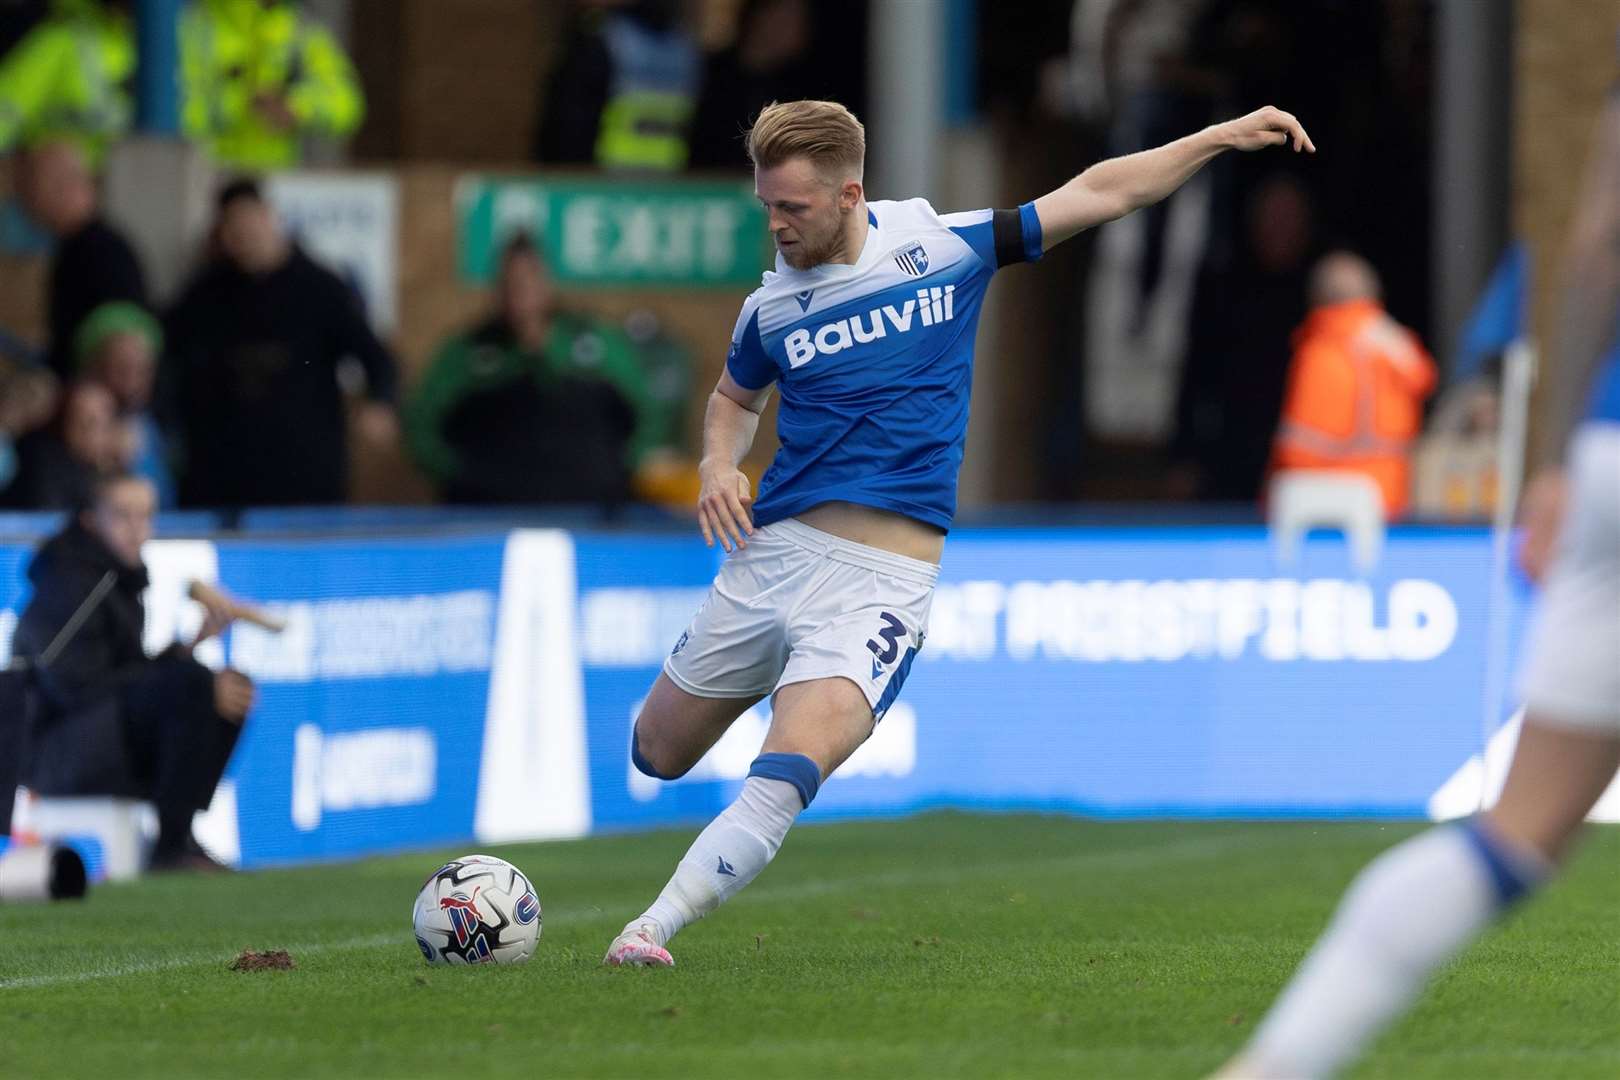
{"x":623,"y":94}
{"x":1356,"y":385}
{"x":256,"y":76}
{"x":68,"y":78}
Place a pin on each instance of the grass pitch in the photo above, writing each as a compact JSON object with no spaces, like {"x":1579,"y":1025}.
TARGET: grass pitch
{"x":942,"y":946}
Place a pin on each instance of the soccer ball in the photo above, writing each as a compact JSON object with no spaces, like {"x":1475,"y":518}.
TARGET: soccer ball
{"x":477,"y":910}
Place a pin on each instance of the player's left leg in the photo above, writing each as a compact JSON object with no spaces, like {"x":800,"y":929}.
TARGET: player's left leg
{"x":1422,"y":902}
{"x":1557,"y":776}
{"x":815,"y":726}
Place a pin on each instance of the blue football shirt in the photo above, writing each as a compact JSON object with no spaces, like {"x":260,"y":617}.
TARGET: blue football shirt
{"x":874,"y":360}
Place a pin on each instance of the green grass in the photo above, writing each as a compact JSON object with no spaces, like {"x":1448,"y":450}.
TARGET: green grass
{"x":943,"y":946}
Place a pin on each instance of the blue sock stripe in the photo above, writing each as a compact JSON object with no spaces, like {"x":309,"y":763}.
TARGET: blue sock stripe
{"x":1508,"y":874}
{"x":795,"y":769}
{"x":641,"y":763}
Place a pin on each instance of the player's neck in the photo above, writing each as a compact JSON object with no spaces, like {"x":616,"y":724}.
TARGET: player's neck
{"x":854,"y":237}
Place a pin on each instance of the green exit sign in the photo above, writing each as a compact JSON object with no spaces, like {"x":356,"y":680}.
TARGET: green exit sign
{"x":606,"y":232}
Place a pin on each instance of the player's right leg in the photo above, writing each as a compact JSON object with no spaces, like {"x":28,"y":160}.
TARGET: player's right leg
{"x":815,"y":726}
{"x":853,"y":612}
{"x":672,"y":732}
{"x":729,"y":658}
{"x":676,"y":728}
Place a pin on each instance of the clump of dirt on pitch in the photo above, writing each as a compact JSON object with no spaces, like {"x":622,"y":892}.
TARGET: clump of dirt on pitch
{"x":269,"y":960}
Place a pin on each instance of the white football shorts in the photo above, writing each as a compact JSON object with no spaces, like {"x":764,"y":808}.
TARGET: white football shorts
{"x":799,"y":604}
{"x":1572,"y":671}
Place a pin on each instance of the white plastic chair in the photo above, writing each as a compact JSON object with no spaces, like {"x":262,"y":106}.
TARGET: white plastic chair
{"x":1304,"y":499}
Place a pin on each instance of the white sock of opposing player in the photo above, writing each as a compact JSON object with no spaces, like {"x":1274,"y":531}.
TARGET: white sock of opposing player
{"x":736,"y":846}
{"x":1412,"y":909}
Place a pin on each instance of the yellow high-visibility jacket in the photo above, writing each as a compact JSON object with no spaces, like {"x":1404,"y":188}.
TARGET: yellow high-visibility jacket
{"x":69,"y":78}
{"x":234,"y":52}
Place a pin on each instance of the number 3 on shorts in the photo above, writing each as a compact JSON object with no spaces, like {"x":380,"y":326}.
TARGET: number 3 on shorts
{"x":893,"y":630}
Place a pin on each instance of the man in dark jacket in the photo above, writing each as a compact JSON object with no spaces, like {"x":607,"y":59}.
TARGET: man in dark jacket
{"x":93,"y":262}
{"x":254,"y":345}
{"x":110,"y":719}
{"x":534,"y":404}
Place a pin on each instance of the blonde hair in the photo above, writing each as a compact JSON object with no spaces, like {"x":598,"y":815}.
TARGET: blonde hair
{"x":823,"y":131}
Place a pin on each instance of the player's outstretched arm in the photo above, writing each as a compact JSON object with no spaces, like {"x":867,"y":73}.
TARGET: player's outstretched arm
{"x":725,"y":495}
{"x":1113,"y":188}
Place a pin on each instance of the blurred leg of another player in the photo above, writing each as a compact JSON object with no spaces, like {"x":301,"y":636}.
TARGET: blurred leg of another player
{"x":1419,"y":904}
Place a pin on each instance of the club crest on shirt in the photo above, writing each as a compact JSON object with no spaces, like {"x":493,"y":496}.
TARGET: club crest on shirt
{"x":913,"y":260}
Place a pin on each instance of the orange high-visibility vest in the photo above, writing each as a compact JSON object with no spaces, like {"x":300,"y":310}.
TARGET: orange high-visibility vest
{"x":1355,"y":397}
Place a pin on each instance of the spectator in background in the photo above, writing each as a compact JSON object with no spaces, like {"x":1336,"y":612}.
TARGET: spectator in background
{"x":767,"y":62}
{"x":117,"y":347}
{"x":1245,"y":309}
{"x":58,"y":465}
{"x":534,"y":404}
{"x":27,"y":400}
{"x":255,"y":344}
{"x":623,"y":94}
{"x":1356,"y":386}
{"x":257,"y":76}
{"x":115,"y":721}
{"x":68,"y":78}
{"x":93,"y":262}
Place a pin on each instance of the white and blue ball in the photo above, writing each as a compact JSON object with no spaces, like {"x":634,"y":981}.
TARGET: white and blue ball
{"x":477,"y":910}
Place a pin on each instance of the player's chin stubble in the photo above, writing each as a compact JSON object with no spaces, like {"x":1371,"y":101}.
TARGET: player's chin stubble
{"x":806,"y":253}
{"x":797,"y":255}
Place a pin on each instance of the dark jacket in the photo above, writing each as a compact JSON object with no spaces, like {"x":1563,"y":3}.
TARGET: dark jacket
{"x":104,"y":718}
{"x":732,"y":97}
{"x":255,"y":360}
{"x":15,"y":716}
{"x":107,"y":650}
{"x":91,"y":267}
{"x":76,"y":739}
{"x":49,"y":477}
{"x":500,"y":424}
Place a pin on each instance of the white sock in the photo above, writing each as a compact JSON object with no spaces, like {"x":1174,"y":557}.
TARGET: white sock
{"x":1415,"y":907}
{"x":726,"y":856}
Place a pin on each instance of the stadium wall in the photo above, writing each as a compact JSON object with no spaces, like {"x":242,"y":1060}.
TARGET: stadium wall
{"x":443,"y":690}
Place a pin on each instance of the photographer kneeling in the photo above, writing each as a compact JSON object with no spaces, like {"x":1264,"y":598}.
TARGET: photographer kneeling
{"x":112,"y":720}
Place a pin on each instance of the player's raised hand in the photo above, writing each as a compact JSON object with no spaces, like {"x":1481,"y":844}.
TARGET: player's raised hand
{"x":724,"y":503}
{"x":1265,"y":127}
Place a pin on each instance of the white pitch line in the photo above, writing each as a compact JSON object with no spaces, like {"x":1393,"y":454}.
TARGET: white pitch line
{"x":124,"y":971}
